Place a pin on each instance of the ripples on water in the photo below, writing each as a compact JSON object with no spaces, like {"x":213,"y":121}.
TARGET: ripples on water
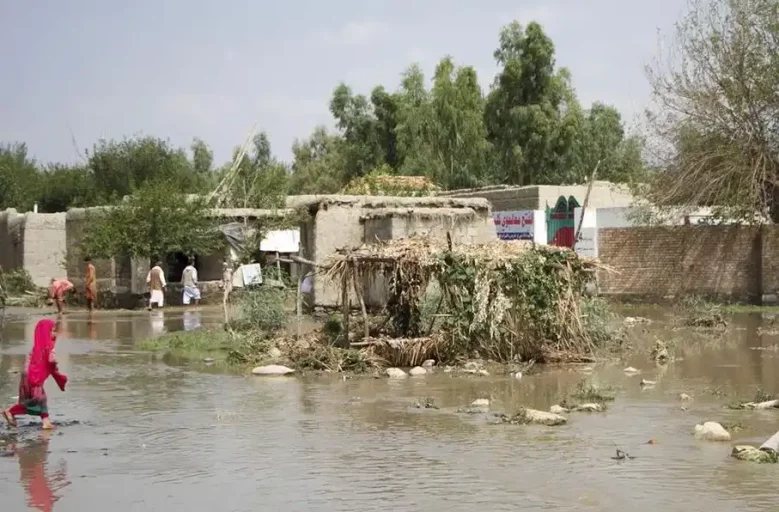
{"x":160,"y":437}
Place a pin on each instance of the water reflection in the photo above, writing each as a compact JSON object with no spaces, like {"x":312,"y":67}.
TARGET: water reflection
{"x":42,"y":489}
{"x":191,"y":320}
{"x":157,"y":322}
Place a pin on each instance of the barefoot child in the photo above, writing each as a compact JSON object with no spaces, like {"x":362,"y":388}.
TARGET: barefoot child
{"x":40,"y":364}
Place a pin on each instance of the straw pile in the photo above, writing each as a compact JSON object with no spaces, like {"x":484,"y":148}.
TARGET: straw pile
{"x":501,"y":300}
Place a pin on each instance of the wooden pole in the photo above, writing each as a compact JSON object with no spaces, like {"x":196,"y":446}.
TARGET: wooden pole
{"x":278,"y":266}
{"x":345,"y":306}
{"x":299,"y":305}
{"x":584,"y":205}
{"x":358,"y":291}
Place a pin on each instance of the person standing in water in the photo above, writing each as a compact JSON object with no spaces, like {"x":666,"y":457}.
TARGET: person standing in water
{"x":155,"y":280}
{"x":189,"y":282}
{"x":39,"y":366}
{"x":57,"y":290}
{"x":90,"y":288}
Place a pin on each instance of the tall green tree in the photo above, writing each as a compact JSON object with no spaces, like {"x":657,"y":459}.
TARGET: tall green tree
{"x":66,"y":186}
{"x":319,"y":163}
{"x":258,"y":180}
{"x":443,"y":130}
{"x":19,"y":177}
{"x":523,"y":112}
{"x":118,"y":167}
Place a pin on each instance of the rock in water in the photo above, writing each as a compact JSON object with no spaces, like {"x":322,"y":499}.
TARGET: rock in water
{"x":484,"y":373}
{"x":631,"y":371}
{"x":395,"y":373}
{"x":417,"y":371}
{"x":589,"y":408}
{"x":752,"y":454}
{"x":272,"y":369}
{"x":429,"y":363}
{"x":684,"y":397}
{"x":544,"y":418}
{"x":480,"y":402}
{"x":711,"y":431}
{"x":557,"y":409}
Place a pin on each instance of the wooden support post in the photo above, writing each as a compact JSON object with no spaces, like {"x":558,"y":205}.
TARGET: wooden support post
{"x":299,"y":304}
{"x":345,"y":306}
{"x":359,"y":292}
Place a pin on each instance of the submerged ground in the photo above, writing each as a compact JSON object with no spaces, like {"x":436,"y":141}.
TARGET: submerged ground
{"x":143,"y":432}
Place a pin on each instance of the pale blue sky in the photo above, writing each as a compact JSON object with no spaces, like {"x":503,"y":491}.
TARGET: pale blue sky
{"x":179,"y":69}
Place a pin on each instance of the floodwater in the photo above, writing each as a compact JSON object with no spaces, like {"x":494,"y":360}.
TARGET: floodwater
{"x":139,"y":432}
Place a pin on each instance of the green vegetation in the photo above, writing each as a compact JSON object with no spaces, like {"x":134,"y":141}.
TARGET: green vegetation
{"x":528,"y":128}
{"x":156,"y":220}
{"x":700,"y":313}
{"x":189,"y":342}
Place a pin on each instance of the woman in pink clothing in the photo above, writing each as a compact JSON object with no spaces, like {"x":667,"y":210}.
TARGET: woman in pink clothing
{"x":57,"y":290}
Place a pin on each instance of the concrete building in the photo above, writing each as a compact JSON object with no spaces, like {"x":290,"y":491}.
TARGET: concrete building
{"x":35,"y":242}
{"x":505,"y":198}
{"x":338,"y":222}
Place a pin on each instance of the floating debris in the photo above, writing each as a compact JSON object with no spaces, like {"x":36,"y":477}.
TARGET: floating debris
{"x":426,"y":403}
{"x":752,"y":454}
{"x":620,"y":455}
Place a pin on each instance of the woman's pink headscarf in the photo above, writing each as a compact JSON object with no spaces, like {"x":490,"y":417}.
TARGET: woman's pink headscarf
{"x":39,"y":367}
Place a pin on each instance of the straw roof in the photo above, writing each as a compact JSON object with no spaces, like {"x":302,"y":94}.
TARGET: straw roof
{"x":422,"y":250}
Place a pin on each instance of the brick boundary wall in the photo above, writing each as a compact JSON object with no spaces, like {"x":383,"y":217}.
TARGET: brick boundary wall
{"x":736,"y":263}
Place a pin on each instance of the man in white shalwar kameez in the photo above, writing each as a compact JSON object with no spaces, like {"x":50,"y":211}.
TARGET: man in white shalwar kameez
{"x":155,"y":280}
{"x":189,"y":283}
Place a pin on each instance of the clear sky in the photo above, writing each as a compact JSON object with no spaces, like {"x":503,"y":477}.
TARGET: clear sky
{"x":184,"y":68}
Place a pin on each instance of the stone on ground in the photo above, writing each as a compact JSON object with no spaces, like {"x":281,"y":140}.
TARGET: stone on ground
{"x":544,"y":418}
{"x":395,"y":373}
{"x":593,"y":407}
{"x":417,"y":371}
{"x":711,"y":431}
{"x":272,"y":369}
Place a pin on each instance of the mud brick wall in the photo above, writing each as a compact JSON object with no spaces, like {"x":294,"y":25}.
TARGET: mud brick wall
{"x":727,"y":262}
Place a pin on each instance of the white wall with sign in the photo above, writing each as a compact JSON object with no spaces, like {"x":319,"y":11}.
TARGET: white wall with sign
{"x":587,"y":243}
{"x":521,"y":225}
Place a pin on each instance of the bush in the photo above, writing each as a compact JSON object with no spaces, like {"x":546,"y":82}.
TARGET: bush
{"x":261,"y":308}
{"x":597,"y":317}
{"x":16,"y":282}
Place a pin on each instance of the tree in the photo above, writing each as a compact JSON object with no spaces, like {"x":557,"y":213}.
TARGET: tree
{"x":525,"y":108}
{"x":65,"y":186}
{"x":443,"y":132}
{"x":19,"y":178}
{"x":319,"y":163}
{"x":120,"y":167}
{"x":257,"y":181}
{"x":713,"y":131}
{"x":158,"y":219}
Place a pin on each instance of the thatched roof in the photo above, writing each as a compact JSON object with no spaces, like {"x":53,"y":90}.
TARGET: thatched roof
{"x":422,"y":251}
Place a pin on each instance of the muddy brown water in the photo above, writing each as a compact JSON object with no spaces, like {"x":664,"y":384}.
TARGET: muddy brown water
{"x":140,"y":432}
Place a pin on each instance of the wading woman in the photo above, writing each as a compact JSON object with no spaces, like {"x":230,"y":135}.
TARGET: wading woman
{"x":39,"y":366}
